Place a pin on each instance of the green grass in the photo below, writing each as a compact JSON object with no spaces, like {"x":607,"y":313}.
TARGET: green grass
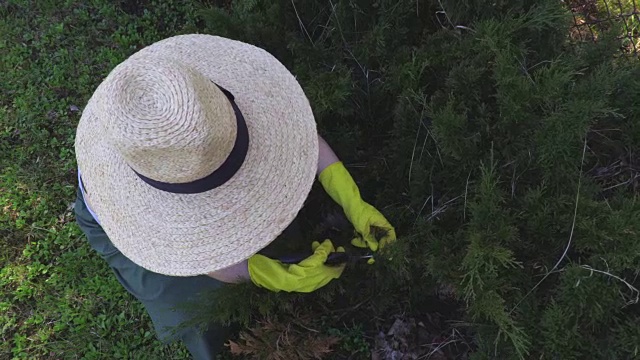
{"x":58,"y":299}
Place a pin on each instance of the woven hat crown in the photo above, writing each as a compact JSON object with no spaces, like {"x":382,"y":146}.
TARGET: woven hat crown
{"x":169,"y":122}
{"x":190,"y":114}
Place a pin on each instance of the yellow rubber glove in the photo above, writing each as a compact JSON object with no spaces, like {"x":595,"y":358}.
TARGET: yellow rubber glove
{"x":367,"y":221}
{"x":308,"y":275}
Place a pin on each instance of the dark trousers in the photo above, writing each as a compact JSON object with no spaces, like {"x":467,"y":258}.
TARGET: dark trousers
{"x":161,"y":295}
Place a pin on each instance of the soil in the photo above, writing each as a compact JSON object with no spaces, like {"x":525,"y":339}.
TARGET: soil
{"x":429,"y":337}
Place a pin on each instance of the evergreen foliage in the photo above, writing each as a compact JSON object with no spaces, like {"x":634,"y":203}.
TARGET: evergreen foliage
{"x":505,"y":153}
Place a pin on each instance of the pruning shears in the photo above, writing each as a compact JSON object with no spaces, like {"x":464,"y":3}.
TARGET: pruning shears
{"x":338,"y":258}
{"x":335,"y":258}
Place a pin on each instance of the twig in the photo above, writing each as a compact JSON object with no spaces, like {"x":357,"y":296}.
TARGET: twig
{"x":573,"y":226}
{"x":434,"y":140}
{"x":441,"y":209}
{"x":302,"y":24}
{"x":424,"y":143}
{"x":435,"y":211}
{"x":513,"y":182}
{"x":422,"y":208}
{"x":466,"y":190}
{"x":443,"y":11}
{"x":305,"y":327}
{"x":634,"y":290}
{"x":432,"y":198}
{"x":344,"y":41}
{"x":465,"y":28}
{"x":365,"y":72}
{"x":441,"y":345}
{"x":540,"y":63}
{"x":429,"y":355}
{"x":351,"y":308}
{"x":413,"y":153}
{"x":622,"y":183}
{"x":325,"y":27}
{"x":524,"y":69}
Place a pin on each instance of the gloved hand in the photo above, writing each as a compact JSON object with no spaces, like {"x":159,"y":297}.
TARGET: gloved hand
{"x":308,"y":275}
{"x":367,"y":221}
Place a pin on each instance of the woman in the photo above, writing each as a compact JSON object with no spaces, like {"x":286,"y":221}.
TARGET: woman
{"x":194,"y":154}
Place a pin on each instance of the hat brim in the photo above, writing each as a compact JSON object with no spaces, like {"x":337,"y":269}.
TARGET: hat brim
{"x":194,"y":234}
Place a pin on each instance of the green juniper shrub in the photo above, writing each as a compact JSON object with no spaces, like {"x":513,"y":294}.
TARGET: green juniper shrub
{"x":504,"y":151}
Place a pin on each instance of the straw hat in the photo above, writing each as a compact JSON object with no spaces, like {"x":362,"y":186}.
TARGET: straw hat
{"x":196,"y":152}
